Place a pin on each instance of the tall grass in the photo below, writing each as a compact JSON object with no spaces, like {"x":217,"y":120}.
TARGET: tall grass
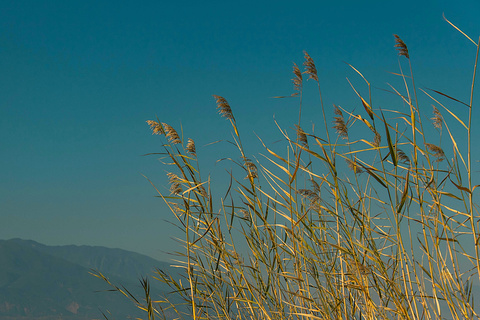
{"x":370,"y":219}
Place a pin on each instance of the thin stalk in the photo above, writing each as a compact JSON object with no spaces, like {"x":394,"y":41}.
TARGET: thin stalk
{"x":470,"y":198}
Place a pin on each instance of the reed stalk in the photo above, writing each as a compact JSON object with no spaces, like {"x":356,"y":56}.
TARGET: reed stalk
{"x":378,"y":235}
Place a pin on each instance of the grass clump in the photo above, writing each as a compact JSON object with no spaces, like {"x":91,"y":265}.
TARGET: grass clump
{"x":380,"y":226}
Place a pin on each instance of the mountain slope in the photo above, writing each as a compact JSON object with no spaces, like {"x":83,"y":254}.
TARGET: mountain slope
{"x":43,"y":282}
{"x":127,"y":265}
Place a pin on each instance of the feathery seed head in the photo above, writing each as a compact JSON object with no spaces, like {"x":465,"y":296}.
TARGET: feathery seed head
{"x":306,"y":192}
{"x":310,"y":68}
{"x":315,"y":185}
{"x":223,"y":107}
{"x":353,"y":166}
{"x":297,"y":80}
{"x":301,"y":136}
{"x":237,"y":258}
{"x":437,"y":118}
{"x":244,"y":214}
{"x":251,"y":168}
{"x":337,"y":111}
{"x":191,"y":147}
{"x":171,"y":134}
{"x":401,"y":47}
{"x":339,"y":123}
{"x":155,"y":126}
{"x":357,"y":267}
{"x":401,"y":156}
{"x":437,"y":151}
{"x":175,"y":186}
{"x":176,"y":208}
{"x":377,"y":139}
{"x":312,"y":196}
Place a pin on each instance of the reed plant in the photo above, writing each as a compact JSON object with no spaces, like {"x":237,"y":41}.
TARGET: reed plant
{"x":369,"y":219}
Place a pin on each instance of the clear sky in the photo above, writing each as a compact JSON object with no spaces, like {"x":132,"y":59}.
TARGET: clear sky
{"x":78,"y":80}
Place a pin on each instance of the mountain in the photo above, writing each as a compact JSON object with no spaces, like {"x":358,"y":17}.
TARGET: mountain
{"x":39,"y":282}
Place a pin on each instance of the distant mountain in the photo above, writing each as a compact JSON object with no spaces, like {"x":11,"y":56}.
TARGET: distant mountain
{"x":120,"y":263}
{"x":39,"y":282}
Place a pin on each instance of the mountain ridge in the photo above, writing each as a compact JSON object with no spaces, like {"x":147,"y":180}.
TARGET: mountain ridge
{"x":128,"y":263}
{"x":40,"y":282}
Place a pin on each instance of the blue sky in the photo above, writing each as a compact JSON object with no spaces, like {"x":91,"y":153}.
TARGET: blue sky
{"x":78,"y":80}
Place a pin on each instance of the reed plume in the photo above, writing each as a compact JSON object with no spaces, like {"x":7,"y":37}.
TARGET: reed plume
{"x":310,"y":68}
{"x":297,"y":80}
{"x":316,"y":186}
{"x":352,"y":165}
{"x":175,"y":186}
{"x":401,"y":47}
{"x":155,"y":126}
{"x":171,"y":134}
{"x":377,"y":139}
{"x":223,"y":107}
{"x":339,"y":123}
{"x":251,"y":168}
{"x":437,"y":151}
{"x":301,"y":136}
{"x":437,"y":118}
{"x":191,"y":147}
{"x":402,"y":156}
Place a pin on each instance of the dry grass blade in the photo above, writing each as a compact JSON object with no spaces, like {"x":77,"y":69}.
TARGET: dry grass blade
{"x":459,"y":30}
{"x":393,"y":154}
{"x":404,"y":195}
{"x":297,"y":165}
{"x":367,"y":107}
{"x":361,"y":75}
{"x":449,"y":97}
{"x":448,"y":110}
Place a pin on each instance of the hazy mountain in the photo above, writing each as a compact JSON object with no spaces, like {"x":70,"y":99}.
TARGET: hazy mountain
{"x":54,"y":282}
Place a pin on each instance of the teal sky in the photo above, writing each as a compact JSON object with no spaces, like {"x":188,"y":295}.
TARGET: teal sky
{"x":78,"y":80}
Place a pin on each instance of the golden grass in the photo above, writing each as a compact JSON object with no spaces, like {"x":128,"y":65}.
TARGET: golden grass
{"x":394,"y":237}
